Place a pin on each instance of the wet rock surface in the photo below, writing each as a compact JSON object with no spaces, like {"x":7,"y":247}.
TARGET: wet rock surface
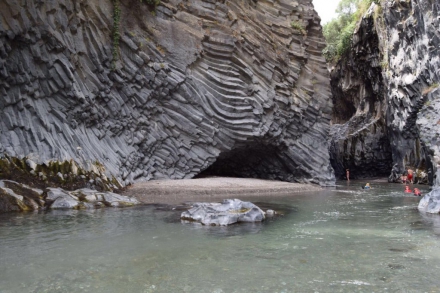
{"x":230,"y":211}
{"x":382,"y":90}
{"x":19,"y":197}
{"x":15,"y":197}
{"x":430,"y":203}
{"x":195,"y":83}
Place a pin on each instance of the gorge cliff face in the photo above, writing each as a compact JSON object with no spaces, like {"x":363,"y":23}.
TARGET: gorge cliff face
{"x":359,"y":134}
{"x":388,"y":83}
{"x":199,"y":87}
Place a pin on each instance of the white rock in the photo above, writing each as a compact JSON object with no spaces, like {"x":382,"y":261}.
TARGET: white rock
{"x":228,"y":212}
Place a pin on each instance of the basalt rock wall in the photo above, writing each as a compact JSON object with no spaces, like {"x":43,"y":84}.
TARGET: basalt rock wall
{"x":359,"y":133}
{"x":389,"y":80}
{"x":195,"y":84}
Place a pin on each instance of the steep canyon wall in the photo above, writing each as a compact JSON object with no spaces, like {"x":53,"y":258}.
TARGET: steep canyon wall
{"x":389,"y":82}
{"x":229,"y":87}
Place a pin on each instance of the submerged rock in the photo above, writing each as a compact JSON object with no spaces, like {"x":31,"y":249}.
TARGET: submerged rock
{"x":228,"y":212}
{"x":430,"y":203}
{"x":270,"y":213}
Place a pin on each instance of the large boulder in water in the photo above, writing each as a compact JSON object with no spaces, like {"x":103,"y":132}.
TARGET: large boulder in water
{"x":430,"y":203}
{"x":228,"y":212}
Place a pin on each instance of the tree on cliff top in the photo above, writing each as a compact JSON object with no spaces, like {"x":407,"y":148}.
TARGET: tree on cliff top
{"x":339,"y":31}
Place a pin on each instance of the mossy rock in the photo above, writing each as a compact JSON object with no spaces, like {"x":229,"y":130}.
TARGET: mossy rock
{"x":65,"y":174}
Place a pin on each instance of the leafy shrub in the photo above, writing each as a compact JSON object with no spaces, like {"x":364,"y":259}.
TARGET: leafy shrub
{"x":297,"y":26}
{"x":346,"y":37}
{"x":115,"y":32}
{"x":152,"y":3}
{"x":338,"y":32}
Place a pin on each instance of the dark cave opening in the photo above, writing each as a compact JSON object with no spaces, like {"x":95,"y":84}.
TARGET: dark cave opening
{"x":256,"y":161}
{"x":365,"y":157}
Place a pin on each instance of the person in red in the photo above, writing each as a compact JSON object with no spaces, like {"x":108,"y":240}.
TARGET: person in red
{"x":410,"y":175}
{"x":407,"y":190}
{"x":417,"y":192}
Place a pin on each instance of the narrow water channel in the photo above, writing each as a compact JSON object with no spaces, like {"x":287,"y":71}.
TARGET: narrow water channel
{"x":343,"y":239}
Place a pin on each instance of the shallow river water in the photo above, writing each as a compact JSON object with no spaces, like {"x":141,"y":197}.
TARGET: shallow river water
{"x":343,"y":239}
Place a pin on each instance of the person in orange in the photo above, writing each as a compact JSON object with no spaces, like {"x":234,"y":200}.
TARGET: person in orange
{"x":407,"y":190}
{"x":417,"y":192}
{"x":347,"y":173}
{"x":410,"y":175}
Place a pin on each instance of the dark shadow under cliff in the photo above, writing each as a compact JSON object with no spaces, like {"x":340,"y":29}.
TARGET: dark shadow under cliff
{"x":260,"y":161}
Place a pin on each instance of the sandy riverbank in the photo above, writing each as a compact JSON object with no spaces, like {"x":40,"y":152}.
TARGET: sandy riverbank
{"x":211,"y":189}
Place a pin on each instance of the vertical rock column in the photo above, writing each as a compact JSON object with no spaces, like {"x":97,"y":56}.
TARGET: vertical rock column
{"x":413,"y":30}
{"x":359,"y":136}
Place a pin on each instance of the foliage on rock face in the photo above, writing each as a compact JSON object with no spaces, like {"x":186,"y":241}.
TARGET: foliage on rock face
{"x":153,"y":3}
{"x":339,"y":31}
{"x":297,"y":26}
{"x":116,"y":22}
{"x":115,"y":32}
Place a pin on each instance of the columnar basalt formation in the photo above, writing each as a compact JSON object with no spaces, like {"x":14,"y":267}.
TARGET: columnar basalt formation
{"x":196,"y":84}
{"x":359,"y":134}
{"x":389,"y":80}
{"x":413,"y":75}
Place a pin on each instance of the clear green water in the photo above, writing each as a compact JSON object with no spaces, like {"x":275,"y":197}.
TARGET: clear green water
{"x":340,"y":240}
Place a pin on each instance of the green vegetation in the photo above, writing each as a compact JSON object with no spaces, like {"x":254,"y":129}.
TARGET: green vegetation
{"x":430,"y":88}
{"x":152,"y":3}
{"x":338,"y":33}
{"x":115,"y":32}
{"x":297,"y":26}
{"x":116,"y":23}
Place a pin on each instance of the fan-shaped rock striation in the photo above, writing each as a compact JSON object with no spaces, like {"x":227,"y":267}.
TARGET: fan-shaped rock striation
{"x":195,"y":82}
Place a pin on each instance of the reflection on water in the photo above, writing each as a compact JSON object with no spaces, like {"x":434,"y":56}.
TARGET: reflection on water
{"x":340,"y":240}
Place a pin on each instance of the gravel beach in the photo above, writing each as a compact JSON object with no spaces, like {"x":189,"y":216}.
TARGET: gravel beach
{"x":211,"y":189}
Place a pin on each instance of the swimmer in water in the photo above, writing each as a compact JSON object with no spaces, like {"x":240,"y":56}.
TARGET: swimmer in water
{"x":417,"y":192}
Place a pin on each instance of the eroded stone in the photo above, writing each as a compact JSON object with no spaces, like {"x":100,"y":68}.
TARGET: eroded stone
{"x":228,"y":212}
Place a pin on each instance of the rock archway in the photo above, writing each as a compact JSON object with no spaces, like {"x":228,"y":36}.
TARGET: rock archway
{"x":256,"y":161}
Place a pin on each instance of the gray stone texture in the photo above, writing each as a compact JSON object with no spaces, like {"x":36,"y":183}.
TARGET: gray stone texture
{"x":430,"y":203}
{"x":16,"y":197}
{"x":359,"y":139}
{"x":382,"y":91}
{"x":196,"y":83}
{"x":85,"y":198}
{"x":230,"y":211}
{"x":61,"y":199}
